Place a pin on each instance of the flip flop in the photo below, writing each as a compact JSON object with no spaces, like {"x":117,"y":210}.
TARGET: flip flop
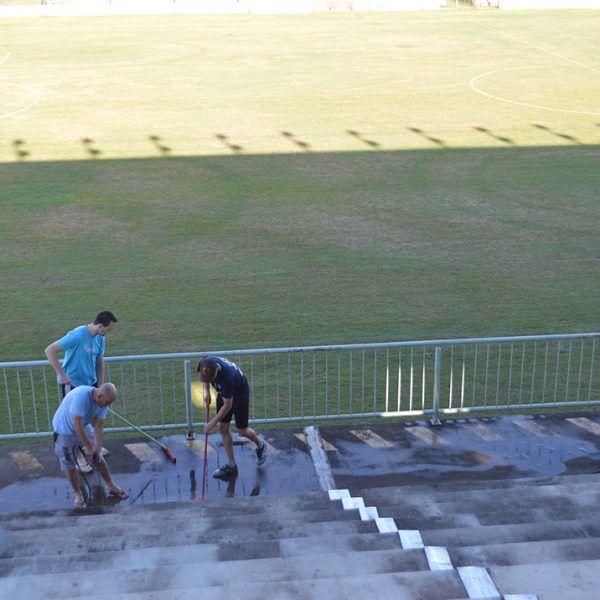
{"x":119,"y":493}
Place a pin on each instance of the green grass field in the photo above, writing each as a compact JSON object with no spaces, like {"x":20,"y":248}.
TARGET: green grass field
{"x":234,"y":182}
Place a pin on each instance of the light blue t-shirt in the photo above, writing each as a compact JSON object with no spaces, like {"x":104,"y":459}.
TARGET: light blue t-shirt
{"x":81,"y":353}
{"x":77,"y":402}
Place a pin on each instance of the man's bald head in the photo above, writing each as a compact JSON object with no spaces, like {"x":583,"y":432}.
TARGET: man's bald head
{"x":105,"y":395}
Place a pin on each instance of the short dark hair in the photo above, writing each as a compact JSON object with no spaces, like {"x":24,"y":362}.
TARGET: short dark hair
{"x":208,"y":368}
{"x":105,"y":318}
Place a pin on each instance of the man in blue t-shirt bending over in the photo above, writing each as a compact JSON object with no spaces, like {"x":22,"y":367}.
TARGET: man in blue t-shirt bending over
{"x":83,"y":406}
{"x":233,"y":398}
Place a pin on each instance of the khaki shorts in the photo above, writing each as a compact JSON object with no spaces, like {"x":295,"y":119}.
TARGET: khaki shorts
{"x":64,"y":448}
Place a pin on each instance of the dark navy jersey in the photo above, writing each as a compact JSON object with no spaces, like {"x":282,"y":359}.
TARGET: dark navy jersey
{"x":230,"y":382}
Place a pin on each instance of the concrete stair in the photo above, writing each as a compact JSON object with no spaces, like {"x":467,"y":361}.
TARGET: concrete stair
{"x":533,"y":536}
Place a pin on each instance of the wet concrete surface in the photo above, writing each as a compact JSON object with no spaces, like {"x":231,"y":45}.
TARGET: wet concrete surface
{"x":360,"y":456}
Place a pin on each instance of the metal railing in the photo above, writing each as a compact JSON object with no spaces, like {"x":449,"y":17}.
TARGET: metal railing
{"x":319,"y":383}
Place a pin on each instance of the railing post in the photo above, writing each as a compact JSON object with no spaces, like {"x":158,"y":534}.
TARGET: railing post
{"x":188,"y":400}
{"x":435,"y":420}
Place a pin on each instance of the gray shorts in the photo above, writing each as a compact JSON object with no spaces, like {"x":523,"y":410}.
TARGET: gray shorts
{"x":64,"y":448}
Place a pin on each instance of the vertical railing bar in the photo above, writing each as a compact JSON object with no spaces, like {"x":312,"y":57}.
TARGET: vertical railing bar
{"x":302,"y":383}
{"x":580,"y":370}
{"x":399,"y":379}
{"x":33,"y":400}
{"x":339,"y":386}
{"x":487,"y":365}
{"x":314,"y":379}
{"x":135,"y":393}
{"x":411,"y":384}
{"x":326,"y":382}
{"x":252,"y":397}
{"x":363,"y":384}
{"x":423,"y":382}
{"x":510,"y":366}
{"x":592,"y":368}
{"x":123,"y":392}
{"x":498,"y":374}
{"x":8,"y":410}
{"x":522,"y":373}
{"x":463,"y":377}
{"x":290,"y":382}
{"x":375,"y":380}
{"x":533,"y":371}
{"x":475,"y":373}
{"x":451,"y":390}
{"x":556,"y":375}
{"x":351,"y":371}
{"x":568,"y":371}
{"x":173,"y":390}
{"x":387,"y":379}
{"x":47,"y":400}
{"x":161,"y":394}
{"x":265,"y":385}
{"x":21,"y":400}
{"x":545,"y":374}
{"x":277,"y":408}
{"x":108,"y":378}
{"x":148,"y":394}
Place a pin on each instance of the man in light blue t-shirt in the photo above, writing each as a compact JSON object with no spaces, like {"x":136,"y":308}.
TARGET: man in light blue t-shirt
{"x":82,"y":406}
{"x":84,"y":358}
{"x":84,"y":353}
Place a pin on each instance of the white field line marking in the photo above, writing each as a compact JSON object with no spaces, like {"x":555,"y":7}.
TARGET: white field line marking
{"x":483,"y":432}
{"x":25,"y":460}
{"x":549,"y":51}
{"x":429,"y":437}
{"x":371,"y":438}
{"x":536,"y":428}
{"x":586,"y":424}
{"x":328,"y":447}
{"x":144,"y":452}
{"x":34,"y":93}
{"x":515,"y":102}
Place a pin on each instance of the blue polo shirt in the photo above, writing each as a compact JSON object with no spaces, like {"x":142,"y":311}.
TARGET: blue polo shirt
{"x":78,"y":401}
{"x":81,"y":354}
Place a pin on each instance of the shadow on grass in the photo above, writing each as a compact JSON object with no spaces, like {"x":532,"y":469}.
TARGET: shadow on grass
{"x":558,"y":134}
{"x":426,"y":136}
{"x":159,"y":145}
{"x":19,"y":149}
{"x":89,"y":147}
{"x":235,"y":148}
{"x":304,"y":146}
{"x":359,"y":136}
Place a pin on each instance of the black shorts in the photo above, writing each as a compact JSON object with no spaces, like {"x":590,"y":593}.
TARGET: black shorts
{"x":67,"y":387}
{"x":240,"y":408}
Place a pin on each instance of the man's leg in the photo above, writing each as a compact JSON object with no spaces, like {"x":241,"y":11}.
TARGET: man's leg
{"x":78,"y":500}
{"x":225,"y":431}
{"x":108,"y":480}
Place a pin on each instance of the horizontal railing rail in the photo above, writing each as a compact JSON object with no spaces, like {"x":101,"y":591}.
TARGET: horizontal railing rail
{"x":415,"y":379}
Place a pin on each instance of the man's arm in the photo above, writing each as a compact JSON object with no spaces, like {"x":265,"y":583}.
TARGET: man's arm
{"x":100,"y":370}
{"x":227,"y":404}
{"x":82,"y":435}
{"x":52,"y":354}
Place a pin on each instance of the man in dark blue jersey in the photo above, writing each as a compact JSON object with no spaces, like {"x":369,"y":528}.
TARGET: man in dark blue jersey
{"x":233,"y":399}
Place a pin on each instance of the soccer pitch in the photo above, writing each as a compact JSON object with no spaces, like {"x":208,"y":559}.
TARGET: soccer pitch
{"x":232,"y":182}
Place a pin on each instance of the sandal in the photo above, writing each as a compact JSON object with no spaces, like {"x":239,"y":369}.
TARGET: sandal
{"x":78,"y":501}
{"x":119,"y":493}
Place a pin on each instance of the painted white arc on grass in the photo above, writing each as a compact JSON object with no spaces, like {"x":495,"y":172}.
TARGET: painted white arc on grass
{"x":477,"y":89}
{"x":33,"y":92}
